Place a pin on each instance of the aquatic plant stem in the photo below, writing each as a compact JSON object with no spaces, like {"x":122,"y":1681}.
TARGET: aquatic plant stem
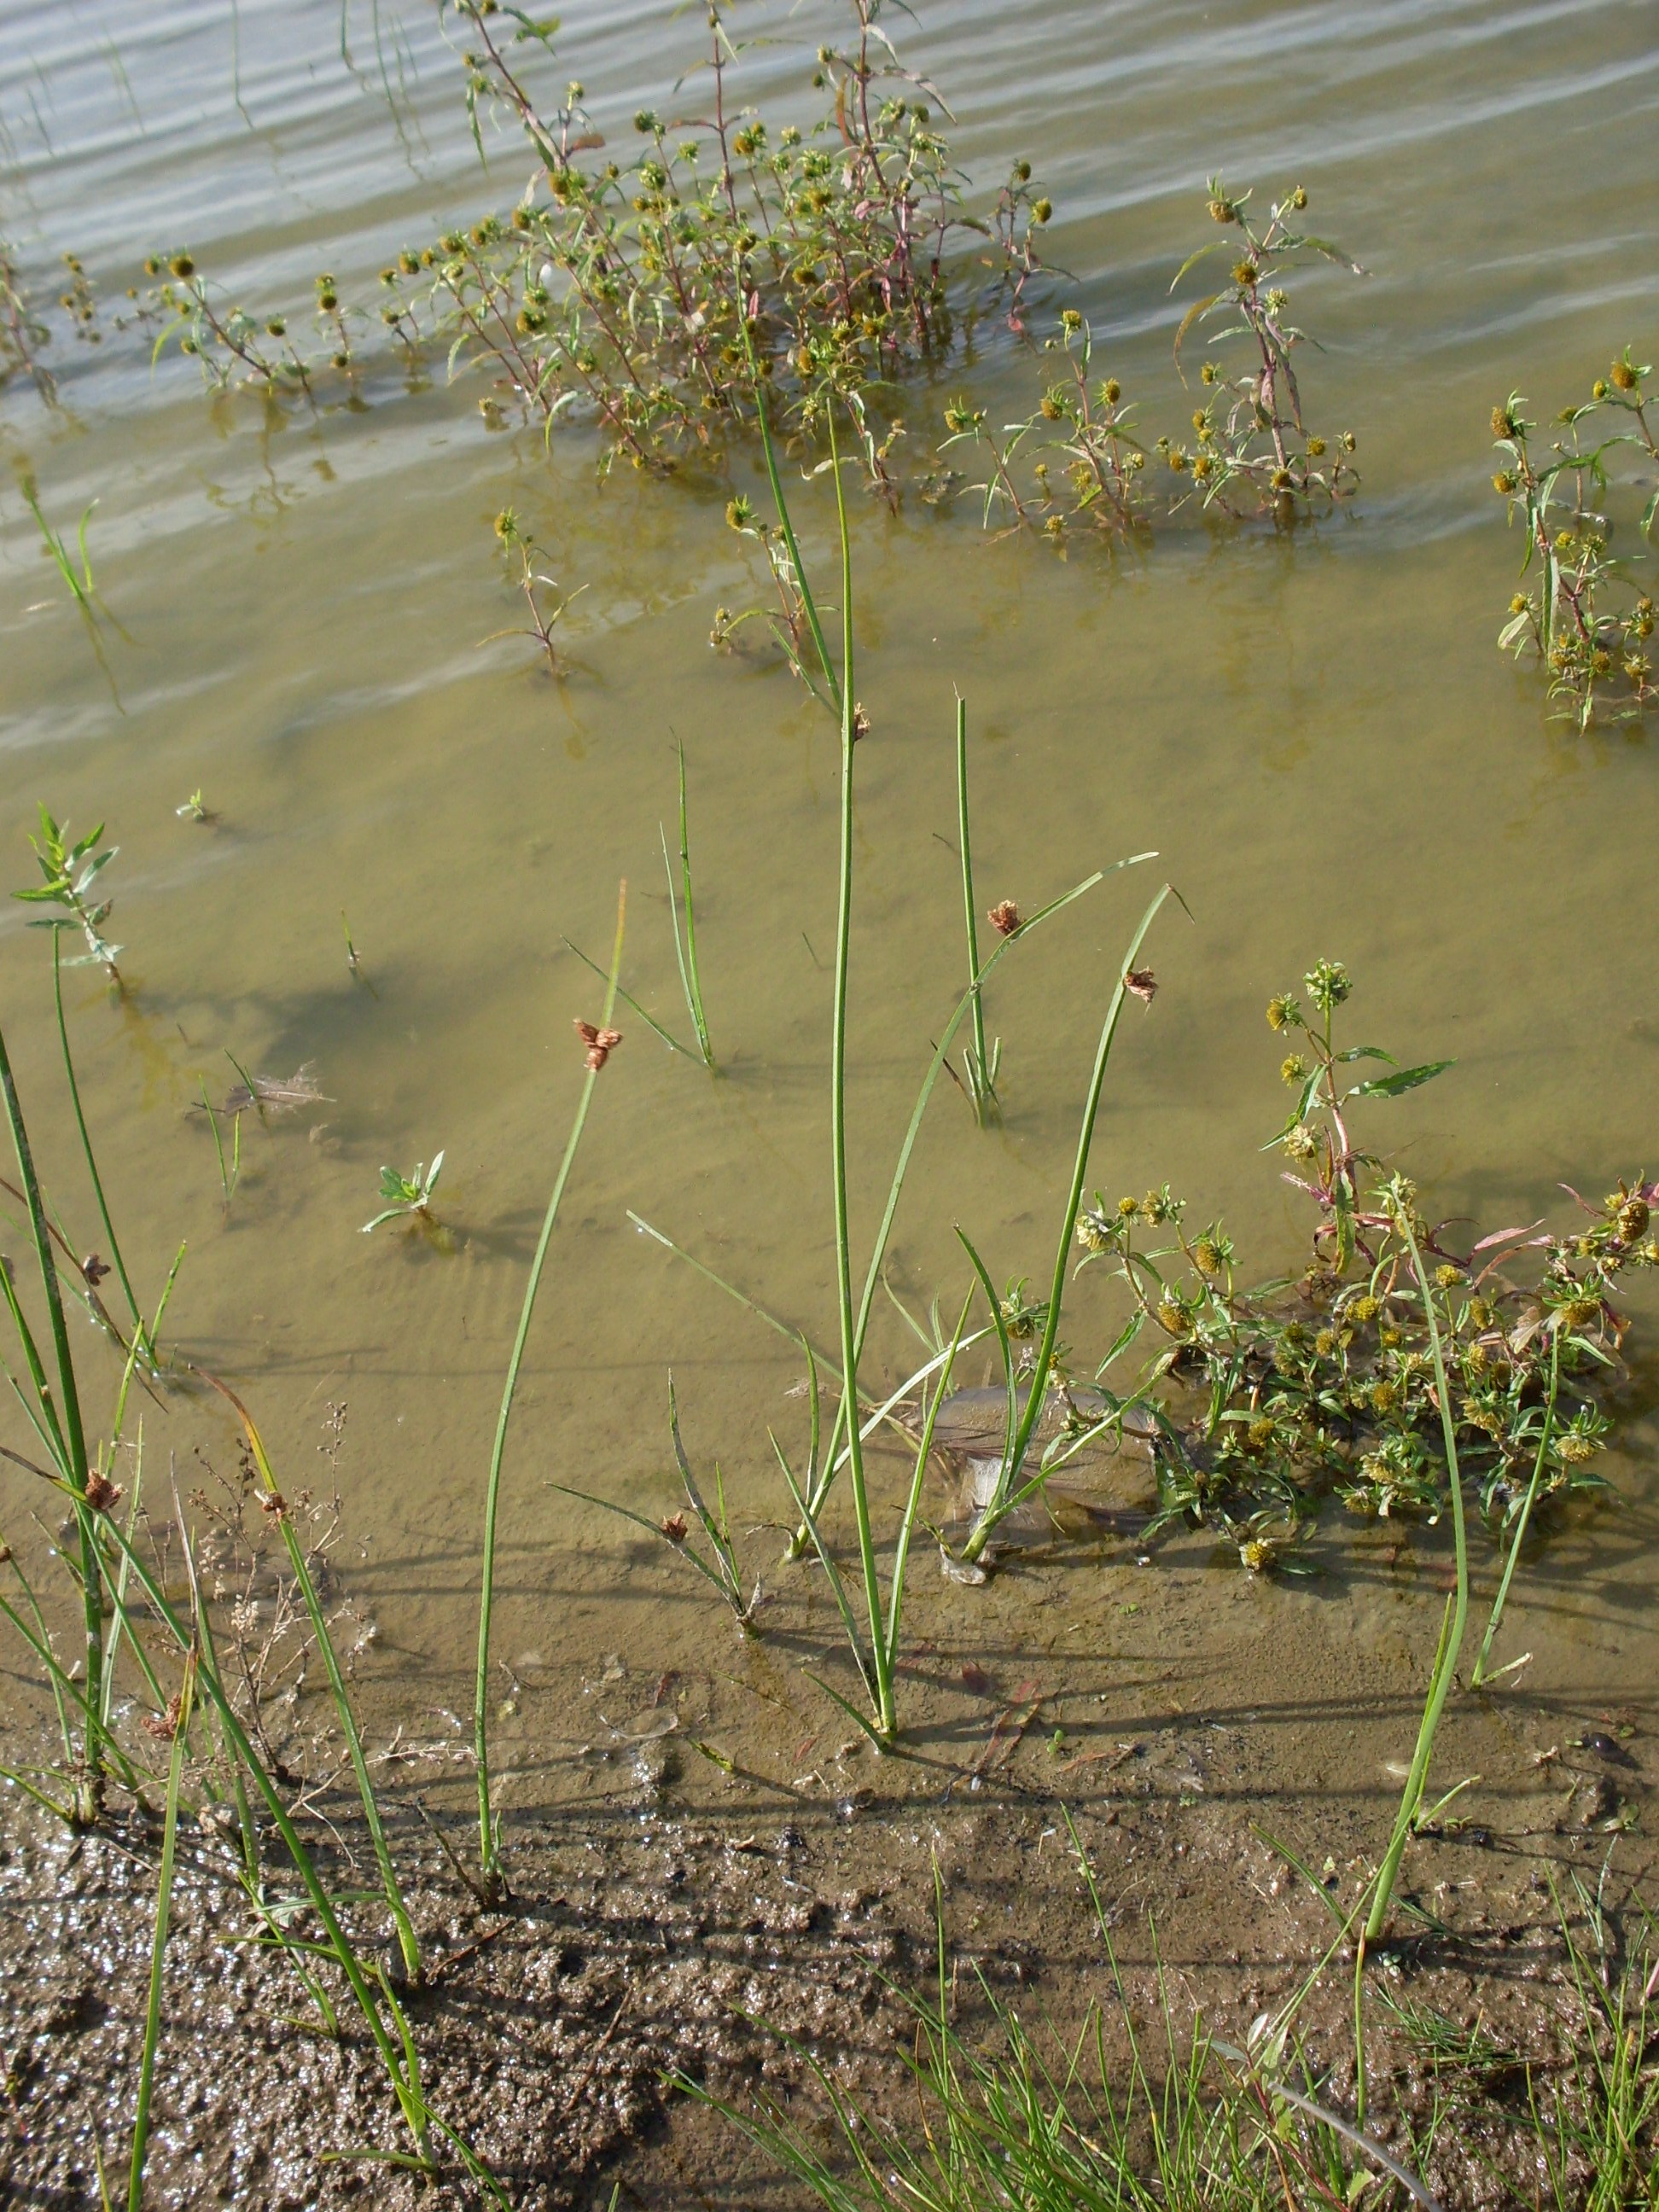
{"x":1451,"y":1632}
{"x":489,"y":1855}
{"x":140,"y":1335}
{"x":1003,"y":1503}
{"x":685,"y":952}
{"x":983,"y":1090}
{"x":158,"y":1948}
{"x":757,"y":387}
{"x":63,"y":1419}
{"x":881,"y":1673}
{"x":1479,"y":1675}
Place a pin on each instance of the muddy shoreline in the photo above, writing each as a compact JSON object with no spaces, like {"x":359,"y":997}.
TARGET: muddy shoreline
{"x":681,"y":1921}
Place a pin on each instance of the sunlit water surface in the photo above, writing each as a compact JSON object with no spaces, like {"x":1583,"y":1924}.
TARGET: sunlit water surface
{"x":1316,"y":735}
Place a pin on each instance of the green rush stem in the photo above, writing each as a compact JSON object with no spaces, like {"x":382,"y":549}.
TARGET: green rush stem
{"x":1037,"y":1395}
{"x":778,"y":501}
{"x":158,"y":1952}
{"x":307,"y":1587}
{"x":86,"y":1141}
{"x":924,"y":1449}
{"x":1451,"y":1633}
{"x":969,"y":909}
{"x":820,"y":1490}
{"x":218,"y":1146}
{"x":1480,"y":1674}
{"x":881,"y":1671}
{"x":689,"y":975}
{"x":74,"y":1438}
{"x":488,"y":1857}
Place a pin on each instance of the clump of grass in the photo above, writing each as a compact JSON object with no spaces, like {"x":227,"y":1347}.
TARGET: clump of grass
{"x":630,"y":289}
{"x":116,"y":1578}
{"x":1002,"y":2120}
{"x":1581,"y":615}
{"x":870,"y":1613}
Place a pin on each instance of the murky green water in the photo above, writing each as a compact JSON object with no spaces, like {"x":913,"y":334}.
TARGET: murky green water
{"x":1317,"y":735}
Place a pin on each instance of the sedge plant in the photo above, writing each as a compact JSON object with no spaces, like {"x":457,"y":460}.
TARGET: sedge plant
{"x":600,"y":1042}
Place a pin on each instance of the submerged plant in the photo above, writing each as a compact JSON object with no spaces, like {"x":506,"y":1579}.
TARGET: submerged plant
{"x":685,"y":940}
{"x":1581,"y":615}
{"x":407,"y":1196}
{"x":23,"y":336}
{"x":76,"y":572}
{"x":69,"y":874}
{"x":1252,"y":453}
{"x":631,"y":287}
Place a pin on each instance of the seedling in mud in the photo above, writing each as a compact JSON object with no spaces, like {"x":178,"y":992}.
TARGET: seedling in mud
{"x":407,"y":1196}
{"x":195,"y":808}
{"x":1252,"y":451}
{"x":516,"y":542}
{"x":1594,"y":648}
{"x":69,"y":874}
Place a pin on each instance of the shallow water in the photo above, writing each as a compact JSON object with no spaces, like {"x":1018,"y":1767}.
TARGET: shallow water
{"x":1317,"y":735}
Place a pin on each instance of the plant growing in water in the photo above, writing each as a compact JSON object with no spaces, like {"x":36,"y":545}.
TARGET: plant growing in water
{"x":1270,"y":1399}
{"x":515,"y":539}
{"x":1253,"y":452}
{"x":628,"y":287}
{"x":69,"y":874}
{"x":1597,"y":652}
{"x":408,"y":1197}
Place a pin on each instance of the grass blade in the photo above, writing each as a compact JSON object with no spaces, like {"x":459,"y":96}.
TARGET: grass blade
{"x":158,"y":1949}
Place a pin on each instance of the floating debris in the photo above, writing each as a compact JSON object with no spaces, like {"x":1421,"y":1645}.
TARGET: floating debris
{"x":276,"y":1094}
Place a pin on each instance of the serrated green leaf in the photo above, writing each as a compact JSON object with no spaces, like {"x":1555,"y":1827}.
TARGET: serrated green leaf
{"x":1408,"y":1079}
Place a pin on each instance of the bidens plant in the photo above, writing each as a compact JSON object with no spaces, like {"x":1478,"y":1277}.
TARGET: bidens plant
{"x":624,"y":286}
